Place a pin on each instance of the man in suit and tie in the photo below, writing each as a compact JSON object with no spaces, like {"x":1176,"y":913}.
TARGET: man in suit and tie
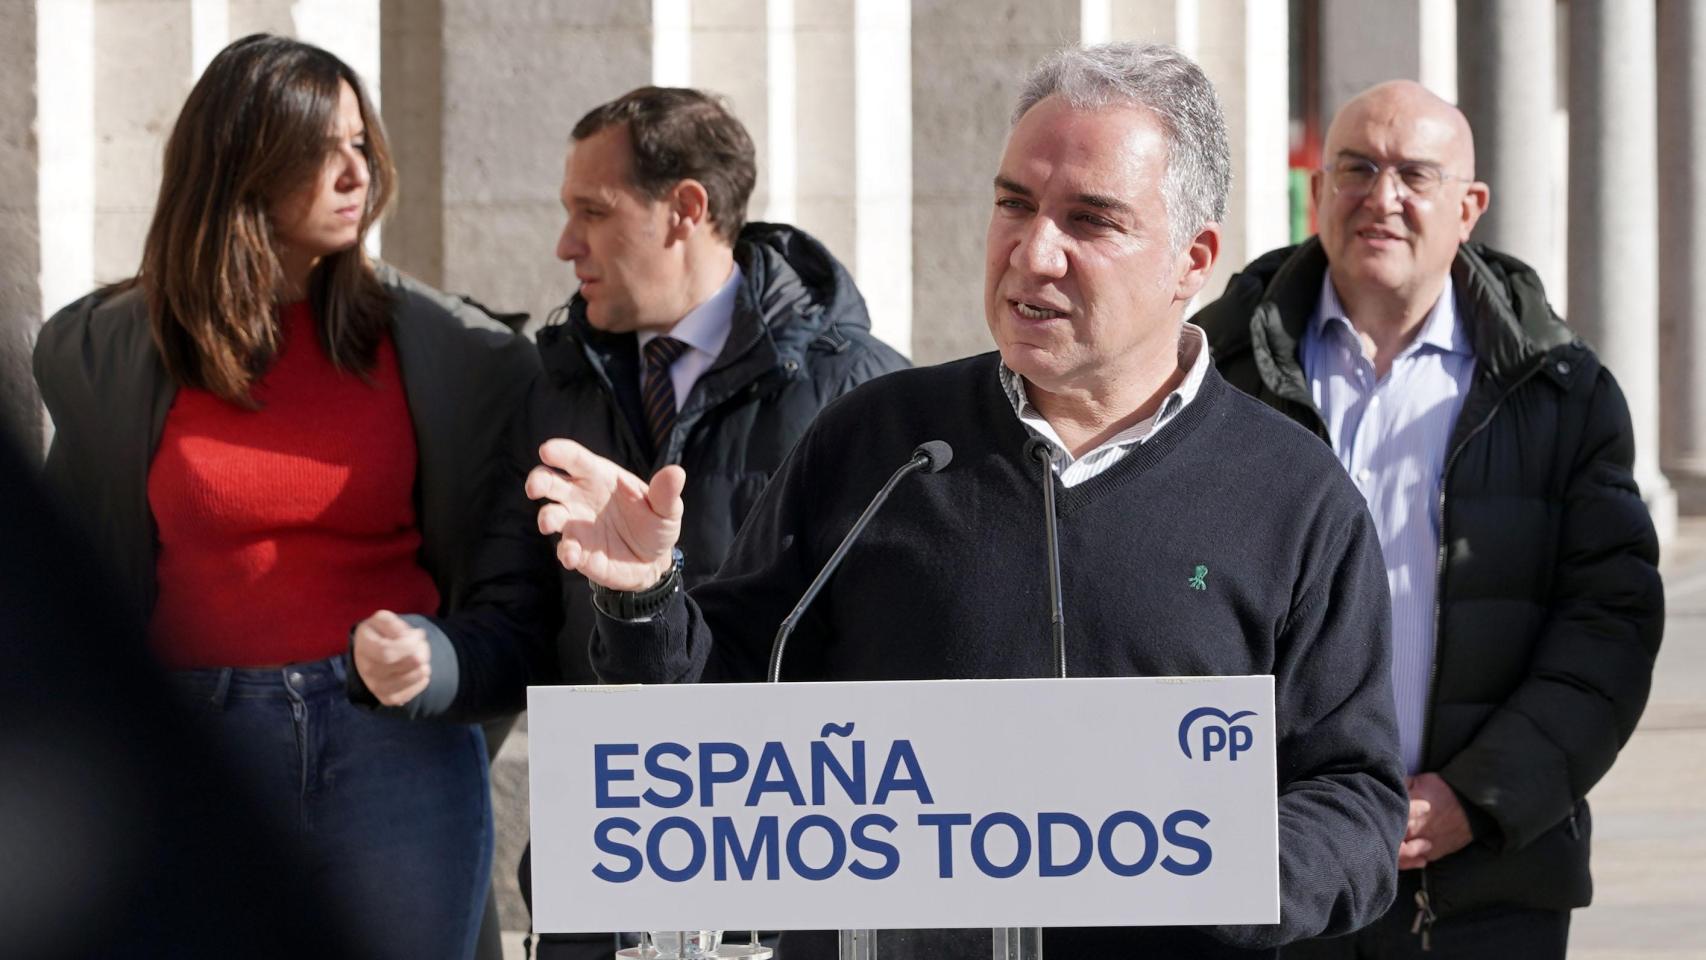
{"x":695,"y":339}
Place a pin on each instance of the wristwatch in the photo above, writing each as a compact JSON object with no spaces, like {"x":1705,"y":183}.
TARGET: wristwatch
{"x":640,"y":604}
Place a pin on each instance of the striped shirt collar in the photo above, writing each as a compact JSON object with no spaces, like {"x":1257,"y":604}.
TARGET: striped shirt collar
{"x":1440,"y":329}
{"x":1193,"y":358}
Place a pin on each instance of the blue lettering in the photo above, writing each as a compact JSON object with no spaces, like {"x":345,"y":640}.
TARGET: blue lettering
{"x":944,"y":824}
{"x":725,"y":842}
{"x":709,"y":775}
{"x":774,"y":775}
{"x":654,"y":849}
{"x":980,"y":834}
{"x":1242,"y":738}
{"x":1213,"y":739}
{"x":657,"y":771}
{"x":1205,"y":853}
{"x":868,"y":844}
{"x":901,"y":755}
{"x":838,"y":847}
{"x":1105,"y":843}
{"x":852,"y":783}
{"x":603,"y":776}
{"x":1046,"y":865}
{"x":602,"y":840}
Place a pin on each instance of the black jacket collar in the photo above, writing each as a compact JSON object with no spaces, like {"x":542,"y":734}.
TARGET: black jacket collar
{"x":795,"y":293}
{"x":1510,"y":324}
{"x":103,"y":381}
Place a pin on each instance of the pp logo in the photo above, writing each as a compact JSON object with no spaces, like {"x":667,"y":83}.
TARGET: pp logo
{"x":1221,"y":733}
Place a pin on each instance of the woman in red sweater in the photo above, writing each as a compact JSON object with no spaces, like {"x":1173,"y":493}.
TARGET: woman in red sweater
{"x":310,"y":458}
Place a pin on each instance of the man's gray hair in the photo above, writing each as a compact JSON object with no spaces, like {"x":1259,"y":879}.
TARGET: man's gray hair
{"x":1169,"y":84}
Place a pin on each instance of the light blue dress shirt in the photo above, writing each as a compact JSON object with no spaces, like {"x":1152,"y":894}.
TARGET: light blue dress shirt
{"x":1391,"y":435}
{"x":705,"y":330}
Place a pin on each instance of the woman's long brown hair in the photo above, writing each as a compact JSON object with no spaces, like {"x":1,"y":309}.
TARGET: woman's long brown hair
{"x":254,"y":130}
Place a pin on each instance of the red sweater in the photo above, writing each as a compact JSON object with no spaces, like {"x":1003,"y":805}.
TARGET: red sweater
{"x":282,"y":527}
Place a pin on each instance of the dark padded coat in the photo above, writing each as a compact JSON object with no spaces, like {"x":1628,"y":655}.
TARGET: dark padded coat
{"x":800,"y":338}
{"x":463,"y":373}
{"x":1550,"y":607}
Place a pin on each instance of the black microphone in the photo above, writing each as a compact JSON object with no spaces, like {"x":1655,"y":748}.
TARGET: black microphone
{"x":1039,"y":450}
{"x":931,"y":456}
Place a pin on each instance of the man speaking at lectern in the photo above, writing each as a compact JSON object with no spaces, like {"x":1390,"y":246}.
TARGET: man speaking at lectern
{"x":1103,"y":225}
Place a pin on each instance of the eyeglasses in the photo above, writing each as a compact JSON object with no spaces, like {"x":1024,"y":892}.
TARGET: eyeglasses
{"x":1356,"y":177}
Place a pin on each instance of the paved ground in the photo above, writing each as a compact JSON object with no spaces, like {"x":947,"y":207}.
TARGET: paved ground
{"x":1649,"y":813}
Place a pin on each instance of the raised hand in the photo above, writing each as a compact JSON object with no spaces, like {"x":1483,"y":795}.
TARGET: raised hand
{"x":616,"y":529}
{"x":393,"y":658}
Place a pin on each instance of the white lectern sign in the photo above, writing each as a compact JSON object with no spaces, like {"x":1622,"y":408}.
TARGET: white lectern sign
{"x":958,"y":803}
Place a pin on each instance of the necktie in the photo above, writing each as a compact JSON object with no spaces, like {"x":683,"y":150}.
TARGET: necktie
{"x":657,"y":392}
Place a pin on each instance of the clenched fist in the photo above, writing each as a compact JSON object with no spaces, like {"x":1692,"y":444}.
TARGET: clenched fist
{"x":393,"y":658}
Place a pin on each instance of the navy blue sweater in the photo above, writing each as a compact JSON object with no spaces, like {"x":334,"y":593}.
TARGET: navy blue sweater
{"x":950,"y":581}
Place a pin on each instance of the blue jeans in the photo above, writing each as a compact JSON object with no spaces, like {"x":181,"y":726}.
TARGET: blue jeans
{"x":391,"y":818}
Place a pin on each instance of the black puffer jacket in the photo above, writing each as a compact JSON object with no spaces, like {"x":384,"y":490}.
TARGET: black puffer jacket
{"x":1550,"y":607}
{"x":800,"y":339}
{"x":101,"y":377}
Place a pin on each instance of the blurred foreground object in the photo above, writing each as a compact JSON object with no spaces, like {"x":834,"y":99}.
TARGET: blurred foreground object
{"x":116,"y":825}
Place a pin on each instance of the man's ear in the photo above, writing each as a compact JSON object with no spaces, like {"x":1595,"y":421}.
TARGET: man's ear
{"x":1197,"y":261}
{"x":1317,"y":186}
{"x":689,"y":208}
{"x":1475,"y":201}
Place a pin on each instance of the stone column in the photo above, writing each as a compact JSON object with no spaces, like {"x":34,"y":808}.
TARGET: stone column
{"x":348,"y":28}
{"x":1243,"y":47}
{"x":1508,"y":86}
{"x":826,"y":101}
{"x":967,"y":63}
{"x":672,"y":43}
{"x":146,"y":58}
{"x":744,"y":50}
{"x":1146,"y":21}
{"x":882,"y":141}
{"x":480,"y":99}
{"x":1614,"y":217}
{"x":853,"y":143}
{"x":62,"y":163}
{"x":261,"y":16}
{"x":822,"y":87}
{"x":20,"y":230}
{"x":65,"y":138}
{"x":1682,"y":249}
{"x":1364,"y":43}
{"x":411,"y":58}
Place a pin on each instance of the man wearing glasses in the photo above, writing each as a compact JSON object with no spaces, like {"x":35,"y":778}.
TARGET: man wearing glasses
{"x":1495,"y":455}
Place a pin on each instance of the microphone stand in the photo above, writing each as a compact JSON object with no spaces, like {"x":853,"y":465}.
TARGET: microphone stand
{"x":930,"y":457}
{"x":1038,"y":449}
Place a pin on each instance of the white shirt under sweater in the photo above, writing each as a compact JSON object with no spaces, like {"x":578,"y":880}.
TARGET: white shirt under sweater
{"x":1193,"y":359}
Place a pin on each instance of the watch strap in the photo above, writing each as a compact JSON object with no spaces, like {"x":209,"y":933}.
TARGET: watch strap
{"x":640,"y":604}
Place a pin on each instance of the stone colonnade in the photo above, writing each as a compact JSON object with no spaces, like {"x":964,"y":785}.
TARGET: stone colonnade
{"x":1587,"y":117}
{"x":878,"y":125}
